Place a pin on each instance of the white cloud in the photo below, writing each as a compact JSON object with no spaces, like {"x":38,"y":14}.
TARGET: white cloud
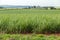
{"x":31,"y":2}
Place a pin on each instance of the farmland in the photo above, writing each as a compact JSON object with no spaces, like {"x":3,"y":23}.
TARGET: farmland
{"x":25,"y":21}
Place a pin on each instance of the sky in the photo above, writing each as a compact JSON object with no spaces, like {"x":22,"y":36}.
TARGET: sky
{"x":31,"y":2}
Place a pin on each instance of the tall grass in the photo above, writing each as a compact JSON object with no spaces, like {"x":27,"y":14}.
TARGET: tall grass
{"x":29,"y":23}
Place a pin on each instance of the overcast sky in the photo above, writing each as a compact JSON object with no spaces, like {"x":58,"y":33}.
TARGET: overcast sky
{"x":31,"y":2}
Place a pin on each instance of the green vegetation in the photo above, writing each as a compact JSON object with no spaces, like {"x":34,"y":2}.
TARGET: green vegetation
{"x":28,"y":37}
{"x":29,"y":21}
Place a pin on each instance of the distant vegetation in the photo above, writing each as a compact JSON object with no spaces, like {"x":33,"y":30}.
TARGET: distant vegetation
{"x":44,"y":8}
{"x":1,"y":7}
{"x":29,"y":7}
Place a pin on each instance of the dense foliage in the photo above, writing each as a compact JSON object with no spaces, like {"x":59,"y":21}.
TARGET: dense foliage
{"x":29,"y":21}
